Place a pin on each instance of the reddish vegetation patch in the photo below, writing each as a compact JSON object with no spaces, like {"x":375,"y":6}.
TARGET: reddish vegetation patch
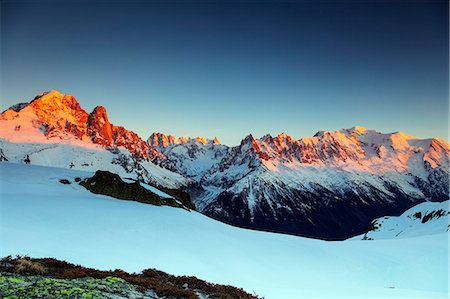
{"x":161,"y":283}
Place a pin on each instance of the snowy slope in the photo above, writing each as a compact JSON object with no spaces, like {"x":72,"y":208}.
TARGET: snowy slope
{"x":41,"y":217}
{"x":423,"y":219}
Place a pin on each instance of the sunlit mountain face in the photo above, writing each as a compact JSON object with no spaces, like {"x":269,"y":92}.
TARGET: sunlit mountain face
{"x":329,"y":186}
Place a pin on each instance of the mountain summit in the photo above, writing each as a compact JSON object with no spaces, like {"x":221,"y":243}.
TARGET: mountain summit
{"x":58,"y":115}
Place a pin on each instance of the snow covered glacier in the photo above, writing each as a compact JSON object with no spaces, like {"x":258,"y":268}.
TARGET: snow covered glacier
{"x":41,"y":217}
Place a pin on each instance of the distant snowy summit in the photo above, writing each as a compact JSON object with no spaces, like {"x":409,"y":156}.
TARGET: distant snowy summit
{"x":331,"y":185}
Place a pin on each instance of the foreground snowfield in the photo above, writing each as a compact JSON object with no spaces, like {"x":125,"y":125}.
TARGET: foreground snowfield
{"x":41,"y":217}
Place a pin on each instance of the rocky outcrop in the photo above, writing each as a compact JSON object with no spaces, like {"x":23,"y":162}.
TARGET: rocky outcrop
{"x":110,"y":184}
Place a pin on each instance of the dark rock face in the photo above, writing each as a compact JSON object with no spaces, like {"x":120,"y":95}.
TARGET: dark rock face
{"x":182,"y":196}
{"x":435,"y":214}
{"x":327,"y":218}
{"x":110,"y":184}
{"x":318,"y":213}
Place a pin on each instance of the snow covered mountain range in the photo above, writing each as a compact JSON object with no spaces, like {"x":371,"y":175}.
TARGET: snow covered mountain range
{"x":330,"y":186}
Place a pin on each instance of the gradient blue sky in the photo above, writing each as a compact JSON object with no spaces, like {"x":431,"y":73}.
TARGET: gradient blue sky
{"x":228,"y":69}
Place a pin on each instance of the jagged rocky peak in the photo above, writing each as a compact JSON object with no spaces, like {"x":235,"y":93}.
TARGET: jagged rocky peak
{"x":100,"y":113}
{"x":249,"y":143}
{"x":267,"y":138}
{"x":157,"y":139}
{"x":62,"y":113}
{"x":99,"y":129}
{"x":251,"y":147}
{"x":280,"y":138}
{"x":202,"y":140}
{"x":268,"y":147}
{"x":355,"y":146}
{"x":61,"y":116}
{"x":191,"y":157}
{"x":283,"y":135}
{"x":248,"y":139}
{"x":53,"y":101}
{"x":283,"y":140}
{"x":161,"y":140}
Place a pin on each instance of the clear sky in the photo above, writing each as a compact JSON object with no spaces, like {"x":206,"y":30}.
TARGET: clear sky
{"x":226,"y":69}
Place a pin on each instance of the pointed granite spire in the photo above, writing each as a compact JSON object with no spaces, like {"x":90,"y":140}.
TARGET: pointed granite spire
{"x":99,"y":128}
